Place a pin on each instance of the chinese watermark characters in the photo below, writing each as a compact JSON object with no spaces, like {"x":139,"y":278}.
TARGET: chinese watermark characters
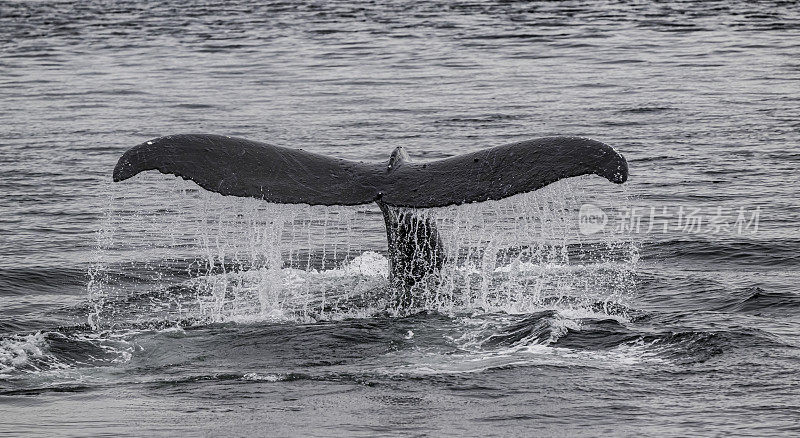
{"x":646,"y":220}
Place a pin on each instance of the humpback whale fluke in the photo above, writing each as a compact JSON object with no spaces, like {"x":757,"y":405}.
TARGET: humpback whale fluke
{"x":239,"y":167}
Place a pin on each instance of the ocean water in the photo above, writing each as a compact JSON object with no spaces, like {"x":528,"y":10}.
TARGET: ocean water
{"x":150,"y":307}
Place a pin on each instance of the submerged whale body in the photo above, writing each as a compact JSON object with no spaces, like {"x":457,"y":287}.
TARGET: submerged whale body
{"x":240,"y":167}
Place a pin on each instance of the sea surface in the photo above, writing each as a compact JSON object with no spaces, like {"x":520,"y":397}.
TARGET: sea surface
{"x":668,"y":306}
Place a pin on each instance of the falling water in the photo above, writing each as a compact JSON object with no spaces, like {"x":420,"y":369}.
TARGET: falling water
{"x":213,"y":258}
{"x":700,"y":97}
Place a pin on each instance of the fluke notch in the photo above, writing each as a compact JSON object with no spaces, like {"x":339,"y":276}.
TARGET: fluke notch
{"x":238,"y":167}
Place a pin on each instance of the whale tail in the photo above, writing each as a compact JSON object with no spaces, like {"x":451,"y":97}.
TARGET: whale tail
{"x":239,"y":167}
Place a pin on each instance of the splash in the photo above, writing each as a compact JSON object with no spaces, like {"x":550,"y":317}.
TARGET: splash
{"x":21,"y":351}
{"x":53,"y":351}
{"x":182,"y":256}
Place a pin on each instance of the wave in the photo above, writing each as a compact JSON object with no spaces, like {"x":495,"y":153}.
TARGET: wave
{"x":424,"y":344}
{"x":56,"y":350}
{"x":772,"y":252}
{"x":39,"y":280}
{"x":759,"y":301}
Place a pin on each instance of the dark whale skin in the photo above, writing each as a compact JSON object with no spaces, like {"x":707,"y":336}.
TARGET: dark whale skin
{"x":238,"y":167}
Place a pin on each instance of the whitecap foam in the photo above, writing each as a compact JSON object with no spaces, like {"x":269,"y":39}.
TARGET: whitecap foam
{"x":18,"y":352}
{"x":38,"y":352}
{"x":269,"y":377}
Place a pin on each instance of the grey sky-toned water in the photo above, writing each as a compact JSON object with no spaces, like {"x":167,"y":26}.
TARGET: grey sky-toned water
{"x":112,"y":323}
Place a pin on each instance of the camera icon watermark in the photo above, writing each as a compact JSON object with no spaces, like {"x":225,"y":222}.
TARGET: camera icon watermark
{"x":634,"y":220}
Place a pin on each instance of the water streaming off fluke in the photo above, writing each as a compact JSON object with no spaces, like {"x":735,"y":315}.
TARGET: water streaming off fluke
{"x":213,"y":258}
